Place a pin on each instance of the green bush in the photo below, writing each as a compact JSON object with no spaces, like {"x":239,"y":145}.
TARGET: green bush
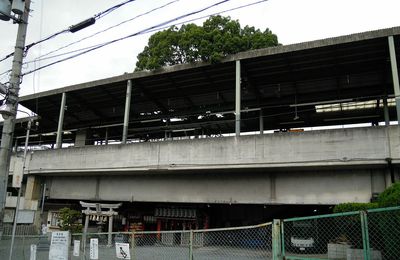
{"x":354,"y":206}
{"x":390,"y":197}
{"x":69,"y":219}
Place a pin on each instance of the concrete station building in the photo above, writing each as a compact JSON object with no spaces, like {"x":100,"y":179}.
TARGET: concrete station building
{"x":215,"y":145}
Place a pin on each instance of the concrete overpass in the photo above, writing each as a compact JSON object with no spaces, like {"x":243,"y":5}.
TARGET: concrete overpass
{"x":313,"y":167}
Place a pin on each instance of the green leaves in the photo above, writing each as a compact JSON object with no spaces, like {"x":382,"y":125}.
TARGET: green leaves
{"x":68,"y":220}
{"x":218,"y":37}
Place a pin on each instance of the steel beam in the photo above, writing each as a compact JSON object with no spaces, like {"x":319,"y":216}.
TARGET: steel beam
{"x":237,"y":99}
{"x":61,"y":121}
{"x":127,"y":110}
{"x":395,"y":75}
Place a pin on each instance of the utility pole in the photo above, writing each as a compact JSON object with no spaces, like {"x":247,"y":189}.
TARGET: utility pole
{"x":12,"y":102}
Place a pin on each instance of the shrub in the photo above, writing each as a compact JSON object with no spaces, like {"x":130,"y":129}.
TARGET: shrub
{"x":390,"y":197}
{"x":69,"y":219}
{"x":354,"y":206}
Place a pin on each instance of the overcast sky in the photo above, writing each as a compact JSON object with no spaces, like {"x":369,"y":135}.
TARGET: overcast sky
{"x":292,"y":20}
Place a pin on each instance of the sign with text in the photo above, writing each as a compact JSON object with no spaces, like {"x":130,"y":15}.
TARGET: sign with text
{"x":18,"y":172}
{"x":94,"y":248}
{"x":122,"y":251}
{"x":77,"y":245}
{"x":59,"y":245}
{"x":33,"y":252}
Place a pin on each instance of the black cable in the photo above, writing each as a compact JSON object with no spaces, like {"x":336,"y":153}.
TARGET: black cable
{"x":70,"y":29}
{"x":153,"y":30}
{"x":111,"y":9}
{"x":131,"y":35}
{"x":92,"y":35}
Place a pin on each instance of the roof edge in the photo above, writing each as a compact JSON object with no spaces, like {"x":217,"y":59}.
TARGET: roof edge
{"x":239,"y":56}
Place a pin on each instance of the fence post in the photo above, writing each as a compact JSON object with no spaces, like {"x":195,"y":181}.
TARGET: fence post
{"x":277,"y":242}
{"x":365,"y":235}
{"x":191,"y":245}
{"x":133,"y":245}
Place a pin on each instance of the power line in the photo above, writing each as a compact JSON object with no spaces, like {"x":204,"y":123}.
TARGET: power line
{"x":73,"y":28}
{"x":99,"y":32}
{"x":150,"y":29}
{"x":111,"y":9}
{"x":156,"y":29}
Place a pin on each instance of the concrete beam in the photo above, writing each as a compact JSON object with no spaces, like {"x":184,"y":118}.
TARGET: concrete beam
{"x":324,"y":148}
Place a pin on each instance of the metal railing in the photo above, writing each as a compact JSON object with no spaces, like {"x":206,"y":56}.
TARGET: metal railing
{"x":367,"y":235}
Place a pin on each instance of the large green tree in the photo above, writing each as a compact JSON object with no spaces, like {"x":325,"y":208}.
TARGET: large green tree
{"x":218,"y":37}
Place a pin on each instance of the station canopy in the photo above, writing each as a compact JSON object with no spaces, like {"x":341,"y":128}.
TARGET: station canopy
{"x":341,"y":80}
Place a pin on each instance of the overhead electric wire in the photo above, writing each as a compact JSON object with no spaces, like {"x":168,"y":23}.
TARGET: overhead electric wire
{"x":111,"y":9}
{"x":97,"y":16}
{"x":147,"y":30}
{"x":40,"y":58}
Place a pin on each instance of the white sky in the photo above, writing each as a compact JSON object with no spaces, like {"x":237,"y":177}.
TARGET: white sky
{"x":292,"y":20}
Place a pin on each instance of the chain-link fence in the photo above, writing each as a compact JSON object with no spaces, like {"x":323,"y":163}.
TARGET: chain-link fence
{"x":384,"y":233}
{"x":366,"y":235}
{"x":22,"y":247}
{"x":363,"y":235}
{"x":252,"y":242}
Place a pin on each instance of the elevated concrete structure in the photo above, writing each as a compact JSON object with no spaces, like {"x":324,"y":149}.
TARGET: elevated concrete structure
{"x":315,"y":167}
{"x":123,"y":132}
{"x":366,"y":147}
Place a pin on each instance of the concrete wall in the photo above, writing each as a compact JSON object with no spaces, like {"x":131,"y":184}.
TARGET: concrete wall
{"x":305,"y":187}
{"x":340,"y":147}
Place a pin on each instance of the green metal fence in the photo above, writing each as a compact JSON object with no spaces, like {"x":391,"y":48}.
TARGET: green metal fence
{"x":366,"y":235}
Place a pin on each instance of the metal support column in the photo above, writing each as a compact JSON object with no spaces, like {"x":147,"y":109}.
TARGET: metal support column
{"x":237,"y":99}
{"x":127,"y":110}
{"x":61,"y":121}
{"x":386,"y":112}
{"x":106,"y":137}
{"x":278,"y":250}
{"x":395,"y":75}
{"x":261,"y":122}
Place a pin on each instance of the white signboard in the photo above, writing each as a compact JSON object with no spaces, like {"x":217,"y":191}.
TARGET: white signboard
{"x":59,"y":245}
{"x":122,"y":251}
{"x":24,"y":216}
{"x":94,"y":248}
{"x":18,"y":172}
{"x":33,"y":252}
{"x":77,"y":245}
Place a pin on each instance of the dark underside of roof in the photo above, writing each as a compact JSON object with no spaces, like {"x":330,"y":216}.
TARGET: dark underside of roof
{"x":278,"y":84}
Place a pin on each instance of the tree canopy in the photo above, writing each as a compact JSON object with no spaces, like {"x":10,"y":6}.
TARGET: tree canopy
{"x":218,"y":37}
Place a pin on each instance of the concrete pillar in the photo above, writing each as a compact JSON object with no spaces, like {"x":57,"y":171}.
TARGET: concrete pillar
{"x":110,"y":225}
{"x":32,"y":196}
{"x":127,"y":110}
{"x":261,"y":122}
{"x":80,"y":138}
{"x":395,"y":75}
{"x":61,"y":121}
{"x":84,"y":233}
{"x":386,"y":112}
{"x":237,"y":99}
